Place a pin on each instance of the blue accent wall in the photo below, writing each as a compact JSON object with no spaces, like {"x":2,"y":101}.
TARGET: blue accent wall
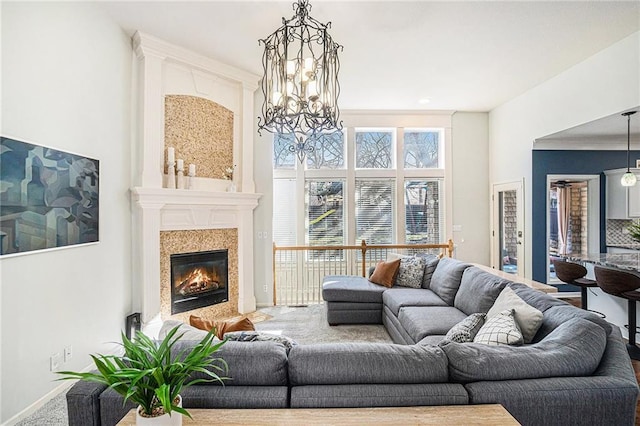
{"x":550,"y":162}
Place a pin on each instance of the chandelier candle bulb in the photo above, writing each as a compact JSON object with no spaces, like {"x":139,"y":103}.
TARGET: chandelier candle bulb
{"x":291,"y":68}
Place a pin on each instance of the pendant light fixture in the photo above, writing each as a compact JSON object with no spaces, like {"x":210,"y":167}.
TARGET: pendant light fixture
{"x":628,"y":179}
{"x":300,"y":82}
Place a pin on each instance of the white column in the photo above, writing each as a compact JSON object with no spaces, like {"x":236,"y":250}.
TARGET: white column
{"x":246,"y":140}
{"x":246,"y":295}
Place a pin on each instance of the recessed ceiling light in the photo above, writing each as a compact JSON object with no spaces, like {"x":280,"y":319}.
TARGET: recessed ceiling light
{"x":424,"y":101}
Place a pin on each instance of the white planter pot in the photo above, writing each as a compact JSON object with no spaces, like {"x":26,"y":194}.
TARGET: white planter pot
{"x":175,"y":419}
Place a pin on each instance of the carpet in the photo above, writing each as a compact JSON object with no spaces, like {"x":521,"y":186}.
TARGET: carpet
{"x":305,"y":325}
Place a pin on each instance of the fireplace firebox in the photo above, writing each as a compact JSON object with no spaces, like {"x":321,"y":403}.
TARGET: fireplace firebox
{"x":199,"y":279}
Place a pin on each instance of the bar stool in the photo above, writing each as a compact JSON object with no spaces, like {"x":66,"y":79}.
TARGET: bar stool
{"x":622,"y":284}
{"x":574,"y":274}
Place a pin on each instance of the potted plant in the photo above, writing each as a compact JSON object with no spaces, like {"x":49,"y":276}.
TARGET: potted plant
{"x":634,"y":231}
{"x":150,"y":376}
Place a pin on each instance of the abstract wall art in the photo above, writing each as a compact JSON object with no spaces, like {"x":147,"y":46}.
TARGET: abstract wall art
{"x":48,"y":198}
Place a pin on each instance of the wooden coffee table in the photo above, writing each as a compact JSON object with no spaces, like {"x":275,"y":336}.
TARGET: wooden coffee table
{"x":489,"y":414}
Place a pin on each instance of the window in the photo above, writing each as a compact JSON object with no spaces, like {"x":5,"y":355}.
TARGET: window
{"x":328,"y":152}
{"x":423,"y":221}
{"x":374,"y":149}
{"x":421,"y":149}
{"x":374,"y":211}
{"x":325,"y":218}
{"x":381,"y":184}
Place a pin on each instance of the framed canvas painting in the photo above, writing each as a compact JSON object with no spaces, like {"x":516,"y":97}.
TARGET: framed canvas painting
{"x":48,"y":198}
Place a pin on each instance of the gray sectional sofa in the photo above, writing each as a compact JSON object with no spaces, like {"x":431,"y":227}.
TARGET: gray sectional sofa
{"x":575,"y":371}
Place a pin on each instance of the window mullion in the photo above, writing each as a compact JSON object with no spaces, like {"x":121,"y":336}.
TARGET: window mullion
{"x":399,"y":223}
{"x":349,"y":194}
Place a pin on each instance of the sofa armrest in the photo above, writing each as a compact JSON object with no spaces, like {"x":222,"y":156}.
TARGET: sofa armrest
{"x":83,"y":403}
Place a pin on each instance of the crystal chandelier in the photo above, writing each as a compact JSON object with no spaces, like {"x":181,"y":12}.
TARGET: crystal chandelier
{"x":300,"y":82}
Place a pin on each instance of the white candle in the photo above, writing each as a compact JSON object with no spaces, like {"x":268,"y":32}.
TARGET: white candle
{"x":180,"y":164}
{"x":171,"y":155}
{"x":192,"y":169}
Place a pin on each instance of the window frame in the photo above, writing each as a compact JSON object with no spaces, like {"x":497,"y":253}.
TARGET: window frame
{"x":397,"y":122}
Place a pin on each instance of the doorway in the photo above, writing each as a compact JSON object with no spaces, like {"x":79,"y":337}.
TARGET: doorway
{"x":507,"y":235}
{"x":573,"y":217}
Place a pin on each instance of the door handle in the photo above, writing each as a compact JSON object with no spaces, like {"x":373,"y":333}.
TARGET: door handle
{"x":519,"y":242}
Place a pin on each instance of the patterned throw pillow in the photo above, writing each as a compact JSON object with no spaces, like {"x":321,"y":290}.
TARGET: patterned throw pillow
{"x":411,"y":271}
{"x":466,"y":330}
{"x":500,"y":329}
{"x":257,"y":336}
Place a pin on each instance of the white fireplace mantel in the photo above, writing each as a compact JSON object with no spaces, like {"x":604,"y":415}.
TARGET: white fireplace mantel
{"x":159,"y":209}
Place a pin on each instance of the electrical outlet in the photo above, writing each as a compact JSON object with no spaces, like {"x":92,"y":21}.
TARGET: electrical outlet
{"x":54,"y":361}
{"x":68,"y":353}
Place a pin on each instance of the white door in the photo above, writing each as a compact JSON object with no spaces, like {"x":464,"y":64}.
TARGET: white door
{"x":507,"y":234}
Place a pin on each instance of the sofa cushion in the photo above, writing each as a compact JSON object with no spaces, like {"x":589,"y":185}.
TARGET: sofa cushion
{"x":557,"y":315}
{"x":411,"y":272}
{"x":573,"y":349}
{"x":446,"y":278}
{"x":466,"y":330}
{"x":500,"y":329}
{"x":250,"y":363}
{"x":528,"y":318}
{"x":478,"y":290}
{"x":398,"y":297}
{"x":364,"y":363}
{"x":349,"y":288}
{"x":431,"y":262}
{"x":421,"y":321}
{"x":385,"y":273}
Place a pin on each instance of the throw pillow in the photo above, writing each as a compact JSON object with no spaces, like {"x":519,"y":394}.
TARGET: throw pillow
{"x":529,"y":319}
{"x":500,"y":329}
{"x":466,"y":330}
{"x":431,"y":262}
{"x":222,"y":327}
{"x":410,"y":272}
{"x":385,"y":273}
{"x":257,"y":336}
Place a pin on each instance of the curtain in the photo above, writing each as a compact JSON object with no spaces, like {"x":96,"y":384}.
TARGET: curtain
{"x":564,"y":210}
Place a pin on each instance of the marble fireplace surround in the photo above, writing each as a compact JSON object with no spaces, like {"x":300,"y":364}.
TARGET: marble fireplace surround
{"x":160,"y":209}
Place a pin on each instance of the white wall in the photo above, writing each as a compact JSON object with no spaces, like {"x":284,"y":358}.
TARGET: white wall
{"x":604,"y":84}
{"x":66,"y":79}
{"x":470,"y":150}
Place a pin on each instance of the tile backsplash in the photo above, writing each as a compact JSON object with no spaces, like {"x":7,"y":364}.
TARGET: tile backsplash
{"x":617,"y":233}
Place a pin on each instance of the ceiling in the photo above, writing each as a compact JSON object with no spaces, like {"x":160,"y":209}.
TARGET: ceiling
{"x":465,"y":56}
{"x":605,"y":133}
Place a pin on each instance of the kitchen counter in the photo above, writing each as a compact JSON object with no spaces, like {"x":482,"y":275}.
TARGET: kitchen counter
{"x":626,"y":261}
{"x":625,"y":246}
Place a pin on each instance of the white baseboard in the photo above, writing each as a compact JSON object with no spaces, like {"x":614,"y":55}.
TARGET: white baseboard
{"x":264,"y":305}
{"x":40,"y":403}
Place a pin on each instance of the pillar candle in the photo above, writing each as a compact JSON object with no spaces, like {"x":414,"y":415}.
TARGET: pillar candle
{"x":192,"y":169}
{"x":171,"y":155}
{"x":180,"y":164}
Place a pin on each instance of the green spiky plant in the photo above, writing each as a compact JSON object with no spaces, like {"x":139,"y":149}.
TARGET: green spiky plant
{"x":634,"y":231}
{"x":150,"y":376}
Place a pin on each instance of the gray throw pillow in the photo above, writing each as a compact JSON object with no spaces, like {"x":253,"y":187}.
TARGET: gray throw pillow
{"x":446,"y":278}
{"x":500,"y":329}
{"x":478,"y":290}
{"x":431,"y":262}
{"x":258,"y":336}
{"x":528,"y":318}
{"x":466,"y":330}
{"x":410,"y":272}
